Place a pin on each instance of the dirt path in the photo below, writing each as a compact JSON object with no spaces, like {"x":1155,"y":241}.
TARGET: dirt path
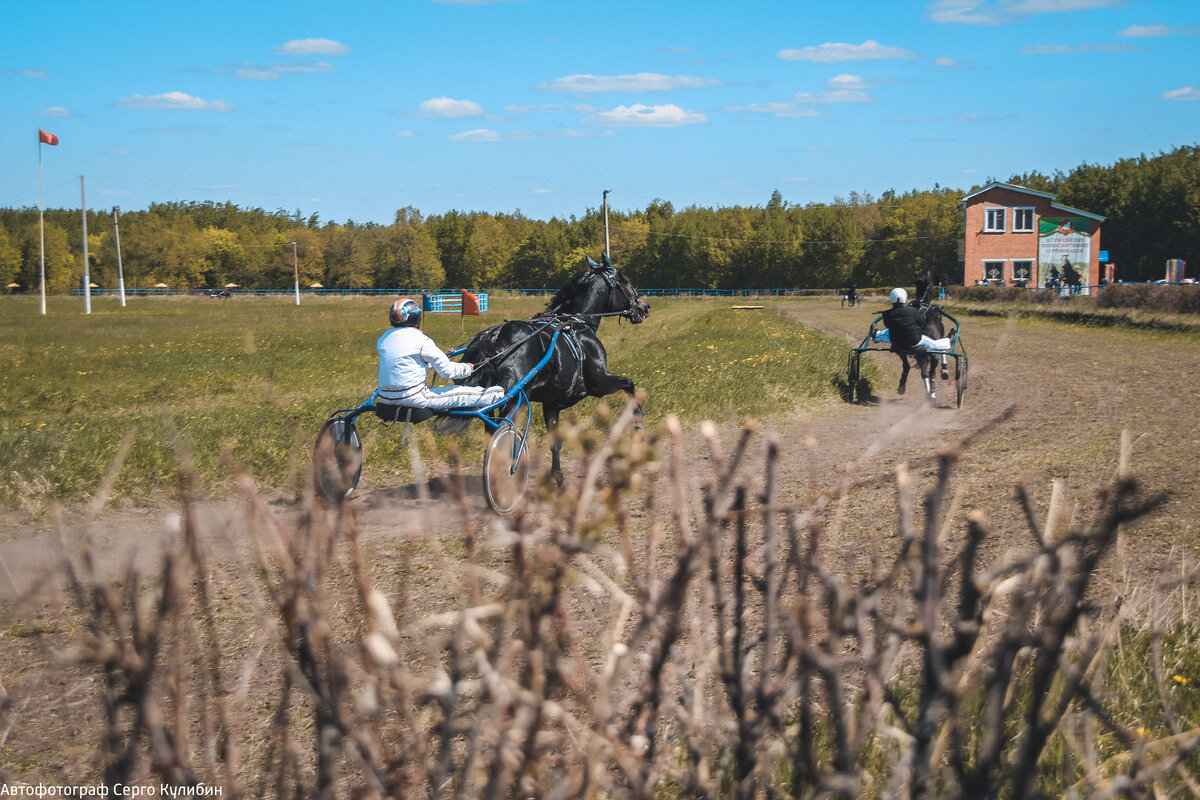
{"x":1071,"y":390}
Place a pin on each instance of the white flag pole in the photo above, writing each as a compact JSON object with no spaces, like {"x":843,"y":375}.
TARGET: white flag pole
{"x":296,"y":272}
{"x":87,"y":279}
{"x":41,"y":229}
{"x":120,"y":273}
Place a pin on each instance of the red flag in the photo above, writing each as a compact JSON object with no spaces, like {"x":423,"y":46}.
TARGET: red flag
{"x":470,"y":304}
{"x":47,"y":138}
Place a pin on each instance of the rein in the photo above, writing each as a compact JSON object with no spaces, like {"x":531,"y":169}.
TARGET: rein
{"x":557,"y":320}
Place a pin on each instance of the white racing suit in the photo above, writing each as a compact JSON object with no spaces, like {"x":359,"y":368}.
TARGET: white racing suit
{"x":405,"y":357}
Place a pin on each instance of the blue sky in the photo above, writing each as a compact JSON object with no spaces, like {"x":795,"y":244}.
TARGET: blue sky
{"x":351,"y":109}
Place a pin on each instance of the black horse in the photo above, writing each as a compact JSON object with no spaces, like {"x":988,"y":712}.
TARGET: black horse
{"x":933,"y":327}
{"x":578,"y":368}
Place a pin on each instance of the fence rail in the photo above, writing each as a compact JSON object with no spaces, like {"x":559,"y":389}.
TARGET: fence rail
{"x":452,"y":300}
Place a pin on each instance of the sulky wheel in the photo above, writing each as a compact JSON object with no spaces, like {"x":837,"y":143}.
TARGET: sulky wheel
{"x":505,"y":469}
{"x":960,"y":377}
{"x":337,"y":458}
{"x":852,"y":376}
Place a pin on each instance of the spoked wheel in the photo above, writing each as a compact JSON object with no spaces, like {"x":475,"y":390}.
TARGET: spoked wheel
{"x":337,"y":458}
{"x":505,"y":469}
{"x":852,"y":376}
{"x":960,"y":377}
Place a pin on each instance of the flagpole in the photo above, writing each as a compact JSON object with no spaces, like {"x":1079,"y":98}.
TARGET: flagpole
{"x":41,"y":229}
{"x":120,"y":272}
{"x":87,"y":279}
{"x":606,"y":191}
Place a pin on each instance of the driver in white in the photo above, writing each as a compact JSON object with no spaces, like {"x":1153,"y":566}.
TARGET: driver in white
{"x":405,"y":357}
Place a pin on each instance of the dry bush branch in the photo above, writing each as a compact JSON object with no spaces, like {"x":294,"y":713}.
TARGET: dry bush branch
{"x":654,"y":633}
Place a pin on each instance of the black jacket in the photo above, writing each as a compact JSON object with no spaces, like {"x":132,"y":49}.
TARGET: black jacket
{"x":904,"y":324}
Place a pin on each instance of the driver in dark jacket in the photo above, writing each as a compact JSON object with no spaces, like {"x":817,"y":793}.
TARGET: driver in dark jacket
{"x":904,"y":324}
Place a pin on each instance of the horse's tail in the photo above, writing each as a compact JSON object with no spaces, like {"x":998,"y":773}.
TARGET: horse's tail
{"x":453,"y":425}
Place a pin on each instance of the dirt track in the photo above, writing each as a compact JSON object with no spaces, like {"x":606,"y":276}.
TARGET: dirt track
{"x":1071,"y":390}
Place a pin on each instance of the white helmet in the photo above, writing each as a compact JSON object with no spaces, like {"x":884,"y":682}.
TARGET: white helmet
{"x":899,"y":295}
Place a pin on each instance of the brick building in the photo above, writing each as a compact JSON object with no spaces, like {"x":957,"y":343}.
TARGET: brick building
{"x":1014,"y":236}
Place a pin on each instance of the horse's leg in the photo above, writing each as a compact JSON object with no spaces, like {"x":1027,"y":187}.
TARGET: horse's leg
{"x":903,"y":375}
{"x":945,"y":368}
{"x":600,"y":383}
{"x":550,"y":415}
{"x":927,"y":371}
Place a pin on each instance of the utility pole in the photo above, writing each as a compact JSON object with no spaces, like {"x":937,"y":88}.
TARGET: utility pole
{"x":296,"y":271}
{"x":87,"y":279}
{"x":117,"y":239}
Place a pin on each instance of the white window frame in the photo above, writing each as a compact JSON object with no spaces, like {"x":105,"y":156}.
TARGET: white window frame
{"x":991,"y":261}
{"x":989,"y":216}
{"x":1032,"y":219}
{"x":1032,"y":277}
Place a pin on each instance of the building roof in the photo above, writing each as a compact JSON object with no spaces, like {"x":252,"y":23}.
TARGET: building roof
{"x":1022,"y":190}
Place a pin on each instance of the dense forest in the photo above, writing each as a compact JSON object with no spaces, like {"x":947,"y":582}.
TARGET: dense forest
{"x":1152,"y":206}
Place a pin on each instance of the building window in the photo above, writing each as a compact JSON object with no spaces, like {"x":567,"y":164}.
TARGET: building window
{"x":1022,"y":272}
{"x":1023,"y":220}
{"x":993,"y":271}
{"x":993,"y":221}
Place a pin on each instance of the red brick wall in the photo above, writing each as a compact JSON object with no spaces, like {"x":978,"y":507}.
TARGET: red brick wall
{"x":1008,"y":246}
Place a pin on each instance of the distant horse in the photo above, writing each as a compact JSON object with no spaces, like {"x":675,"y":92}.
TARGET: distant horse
{"x":578,"y":368}
{"x":850,"y":296}
{"x":934,"y":328}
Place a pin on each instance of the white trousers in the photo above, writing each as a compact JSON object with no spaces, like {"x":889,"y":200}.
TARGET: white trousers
{"x":444,"y":397}
{"x":929,"y":345}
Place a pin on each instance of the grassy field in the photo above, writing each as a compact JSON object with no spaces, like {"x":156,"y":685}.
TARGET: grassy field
{"x":252,"y":379}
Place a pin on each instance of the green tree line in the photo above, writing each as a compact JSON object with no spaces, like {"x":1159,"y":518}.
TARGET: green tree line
{"x":1152,"y":206}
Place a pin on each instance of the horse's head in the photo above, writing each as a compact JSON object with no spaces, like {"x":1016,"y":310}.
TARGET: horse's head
{"x":602,"y":290}
{"x":921,"y":290}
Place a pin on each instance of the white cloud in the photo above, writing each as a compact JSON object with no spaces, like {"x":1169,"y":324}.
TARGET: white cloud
{"x":272,"y":72}
{"x":1149,"y":31}
{"x":303,"y":66}
{"x":668,"y":115}
{"x":1063,"y":49}
{"x":406,"y":134}
{"x":476,"y":135}
{"x":949,"y":63}
{"x":638,"y":82}
{"x":447,"y":107}
{"x":544,"y":108}
{"x":255,"y":74}
{"x":311,"y":47}
{"x":835,"y":52}
{"x":781,"y":110}
{"x":541,"y":191}
{"x":846,"y":81}
{"x":173,"y":100}
{"x":1186,"y":93}
{"x":54,"y":111}
{"x":836,"y":96}
{"x":1003,"y":12}
{"x":34,"y":73}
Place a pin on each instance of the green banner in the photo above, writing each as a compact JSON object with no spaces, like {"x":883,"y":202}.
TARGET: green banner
{"x":1064,"y":242}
